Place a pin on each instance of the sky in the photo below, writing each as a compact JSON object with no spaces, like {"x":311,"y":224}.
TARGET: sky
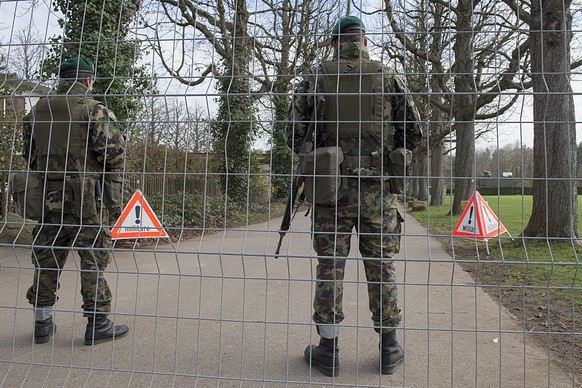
{"x":42,"y":21}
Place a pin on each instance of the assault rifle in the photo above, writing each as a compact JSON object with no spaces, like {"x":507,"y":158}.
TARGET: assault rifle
{"x":306,"y":147}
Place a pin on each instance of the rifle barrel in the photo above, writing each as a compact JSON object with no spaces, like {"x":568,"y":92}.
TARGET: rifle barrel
{"x":286,"y":222}
{"x":307,"y":146}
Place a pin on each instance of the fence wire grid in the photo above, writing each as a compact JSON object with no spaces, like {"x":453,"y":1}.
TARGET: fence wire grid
{"x":487,"y":271}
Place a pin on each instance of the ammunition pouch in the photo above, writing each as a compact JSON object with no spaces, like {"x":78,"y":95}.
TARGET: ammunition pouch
{"x":322,"y":178}
{"x":27,"y":190}
{"x":363,"y":166}
{"x":82,"y":195}
{"x":398,"y":164}
{"x":112,"y":189}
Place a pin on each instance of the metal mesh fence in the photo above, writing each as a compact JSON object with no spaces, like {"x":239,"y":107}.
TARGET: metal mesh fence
{"x":189,"y":110}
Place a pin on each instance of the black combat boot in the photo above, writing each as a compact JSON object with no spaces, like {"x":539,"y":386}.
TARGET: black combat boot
{"x":391,"y":354}
{"x":43,"y":330}
{"x":324,"y":357}
{"x":100,"y":329}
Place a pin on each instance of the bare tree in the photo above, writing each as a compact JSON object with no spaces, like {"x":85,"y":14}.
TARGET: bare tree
{"x":198,"y":136}
{"x":173,"y":122}
{"x":26,"y":54}
{"x":469,"y":70}
{"x":251,"y":52}
{"x":555,"y":197}
{"x":167,"y":132}
{"x":285,"y":37}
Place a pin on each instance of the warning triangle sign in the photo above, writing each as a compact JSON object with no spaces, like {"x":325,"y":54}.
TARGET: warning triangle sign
{"x":137,"y":220}
{"x":478,"y":221}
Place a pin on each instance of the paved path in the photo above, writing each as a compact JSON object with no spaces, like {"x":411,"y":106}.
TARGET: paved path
{"x":243,"y":318}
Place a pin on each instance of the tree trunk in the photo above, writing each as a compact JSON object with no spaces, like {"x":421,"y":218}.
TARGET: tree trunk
{"x":422,"y":180}
{"x":555,"y":199}
{"x":463,"y":108}
{"x":415,"y":175}
{"x":437,"y":182}
{"x":4,"y":198}
{"x":233,"y":137}
{"x":436,"y":146}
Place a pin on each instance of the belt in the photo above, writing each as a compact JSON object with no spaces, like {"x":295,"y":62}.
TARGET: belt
{"x":55,"y":185}
{"x":362,"y":161}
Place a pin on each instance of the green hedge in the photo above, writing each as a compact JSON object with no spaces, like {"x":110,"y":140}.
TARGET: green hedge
{"x":505,"y":190}
{"x":510,"y":190}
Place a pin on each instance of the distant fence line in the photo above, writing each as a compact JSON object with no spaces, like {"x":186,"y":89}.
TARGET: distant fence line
{"x":170,"y":184}
{"x":152,"y":184}
{"x":512,"y":185}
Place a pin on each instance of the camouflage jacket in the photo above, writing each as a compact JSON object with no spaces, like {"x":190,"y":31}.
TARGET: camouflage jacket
{"x":68,"y":132}
{"x":401,"y":126}
{"x":106,"y":142}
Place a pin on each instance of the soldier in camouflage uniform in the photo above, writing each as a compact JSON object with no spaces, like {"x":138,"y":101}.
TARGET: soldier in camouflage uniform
{"x":368,"y":113}
{"x":72,"y":140}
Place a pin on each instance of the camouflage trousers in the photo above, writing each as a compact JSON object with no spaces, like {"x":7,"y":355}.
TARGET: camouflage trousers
{"x":372,"y":211}
{"x":53,"y":240}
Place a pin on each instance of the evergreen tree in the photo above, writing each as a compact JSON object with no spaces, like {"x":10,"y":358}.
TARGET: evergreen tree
{"x":282,"y":158}
{"x":100,"y":30}
{"x":234,"y":130}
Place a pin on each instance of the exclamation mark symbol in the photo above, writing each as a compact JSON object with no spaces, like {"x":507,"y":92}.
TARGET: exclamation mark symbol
{"x":137,"y":214}
{"x":470,"y":215}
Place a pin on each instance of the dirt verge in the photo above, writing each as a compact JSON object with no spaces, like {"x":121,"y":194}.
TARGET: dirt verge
{"x":552,"y":323}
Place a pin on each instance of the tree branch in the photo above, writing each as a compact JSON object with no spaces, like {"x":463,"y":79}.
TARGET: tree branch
{"x":519,"y":12}
{"x":498,"y":112}
{"x":505,"y":80}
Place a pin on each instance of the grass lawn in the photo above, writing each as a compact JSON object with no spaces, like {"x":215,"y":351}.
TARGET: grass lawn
{"x":540,"y":265}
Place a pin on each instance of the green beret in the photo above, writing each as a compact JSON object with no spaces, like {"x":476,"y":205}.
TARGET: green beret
{"x":77,"y":65}
{"x":345,"y":24}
